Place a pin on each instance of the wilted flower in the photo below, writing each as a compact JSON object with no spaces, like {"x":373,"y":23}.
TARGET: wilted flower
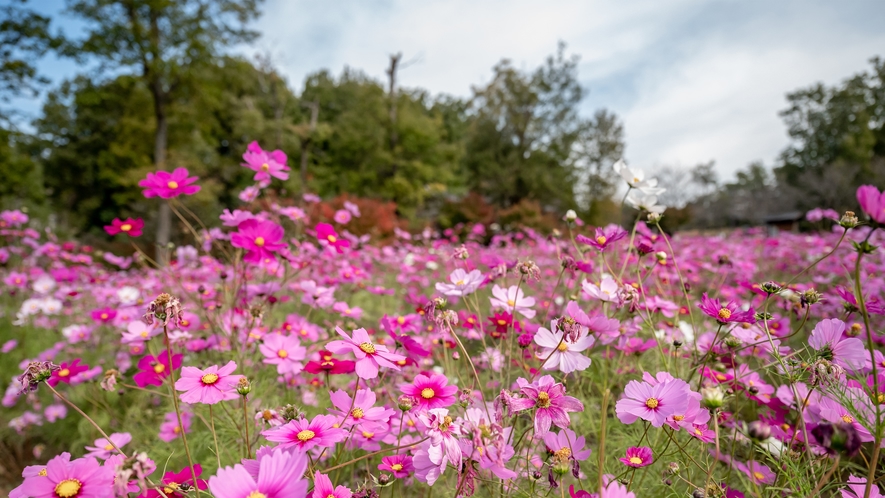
{"x":35,"y":373}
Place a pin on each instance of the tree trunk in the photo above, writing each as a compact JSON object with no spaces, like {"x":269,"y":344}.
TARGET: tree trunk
{"x":305,"y":144}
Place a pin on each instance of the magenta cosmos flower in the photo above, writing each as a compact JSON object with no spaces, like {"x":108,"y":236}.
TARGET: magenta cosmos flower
{"x":327,"y":235}
{"x":279,"y":476}
{"x":603,"y":237}
{"x":305,"y":434}
{"x":208,"y":386}
{"x":550,"y":403}
{"x":128,"y":226}
{"x":638,"y":457}
{"x":828,"y":339}
{"x":362,"y":409}
{"x":652,"y":403}
{"x":104,"y":315}
{"x":63,"y":478}
{"x":167,"y":185}
{"x":172,"y":482}
{"x":431,"y":392}
{"x":103,"y":448}
{"x":398,"y":465}
{"x":170,"y":430}
{"x":726,"y":314}
{"x":872,"y":202}
{"x":369,"y":357}
{"x":286,"y":352}
{"x":66,"y":371}
{"x":265,"y":164}
{"x":155,"y":369}
{"x":323,"y":488}
{"x":259,"y":238}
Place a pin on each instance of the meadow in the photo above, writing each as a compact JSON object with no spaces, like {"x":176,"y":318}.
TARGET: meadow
{"x":277,"y":356}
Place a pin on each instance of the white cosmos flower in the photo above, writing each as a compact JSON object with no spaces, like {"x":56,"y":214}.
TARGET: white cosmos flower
{"x":648,"y":202}
{"x":636,"y":178}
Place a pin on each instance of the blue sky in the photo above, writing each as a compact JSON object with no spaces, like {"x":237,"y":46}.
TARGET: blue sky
{"x":692,"y":80}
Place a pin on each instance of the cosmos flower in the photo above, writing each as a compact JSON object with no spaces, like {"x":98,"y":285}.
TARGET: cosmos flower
{"x":168,"y":185}
{"x":66,"y":478}
{"x":260,"y":239}
{"x":636,"y":178}
{"x":326,"y":235}
{"x":872,"y":202}
{"x":304,"y":434}
{"x":563,"y":354}
{"x":607,"y":290}
{"x":398,"y":465}
{"x":430,"y":392}
{"x":637,"y":457}
{"x":463,"y":283}
{"x":155,"y":369}
{"x":323,"y":488}
{"x":604,"y":237}
{"x":369,"y":357}
{"x":730,"y":313}
{"x":828,"y":340}
{"x":329,"y":364}
{"x":279,"y":476}
{"x":513,"y":299}
{"x":170,"y":430}
{"x":286,"y":352}
{"x":103,"y":448}
{"x":172,"y":482}
{"x":362,"y":409}
{"x":129,"y":226}
{"x":652,"y":403}
{"x":208,"y":386}
{"x":551,"y":404}
{"x":66,"y":371}
{"x":266,"y":164}
{"x":567,"y":444}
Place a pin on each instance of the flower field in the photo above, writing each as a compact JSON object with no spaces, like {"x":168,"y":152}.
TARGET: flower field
{"x":278,"y":356}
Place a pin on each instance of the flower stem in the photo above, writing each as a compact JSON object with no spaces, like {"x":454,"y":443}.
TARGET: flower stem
{"x":187,"y":450}
{"x":214,"y":437}
{"x":246,"y":427}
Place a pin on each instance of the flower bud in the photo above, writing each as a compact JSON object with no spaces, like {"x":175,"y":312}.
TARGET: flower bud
{"x":732,"y":342}
{"x":654,"y":218}
{"x":854,"y":330}
{"x":759,"y":430}
{"x":571,"y":215}
{"x":405,"y":402}
{"x":712,"y":397}
{"x":561,"y":468}
{"x":244,"y":387}
{"x":673,"y":468}
{"x":809,"y":297}
{"x":661,"y":256}
{"x":677,"y":343}
{"x":762,"y":316}
{"x":525,"y":340}
{"x":771,"y":287}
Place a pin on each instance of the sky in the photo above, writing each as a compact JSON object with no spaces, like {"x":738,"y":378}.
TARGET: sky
{"x":692,"y":81}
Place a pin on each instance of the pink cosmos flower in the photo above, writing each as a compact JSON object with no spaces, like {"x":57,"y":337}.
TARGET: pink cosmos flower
{"x":63,"y":478}
{"x":286,"y":352}
{"x":259,"y":238}
{"x":652,"y":403}
{"x":170,"y":430}
{"x":604,"y":237}
{"x":353,"y":208}
{"x":369,"y":357}
{"x":563,"y":354}
{"x":279,"y":476}
{"x":444,"y":446}
{"x":103,"y":448}
{"x":104,"y":315}
{"x":567,"y":443}
{"x":827,"y":339}
{"x":208,"y":386}
{"x":726,"y":314}
{"x":167,"y":185}
{"x":16,"y":279}
{"x":138,"y":332}
{"x":347,"y":311}
{"x":430,"y":392}
{"x":872,"y":202}
{"x":758,"y":472}
{"x":512,"y":300}
{"x":342,"y":217}
{"x":362,"y":409}
{"x":66,"y":371}
{"x":265,"y":164}
{"x":304,"y":434}
{"x":326,"y":235}
{"x":398,"y":465}
{"x":172,"y":482}
{"x":857,"y":487}
{"x":638,"y":457}
{"x":550,"y":403}
{"x":128,"y":226}
{"x":233,"y":219}
{"x":323,"y":488}
{"x":606,"y":291}
{"x":463,"y":283}
{"x":154,"y":370}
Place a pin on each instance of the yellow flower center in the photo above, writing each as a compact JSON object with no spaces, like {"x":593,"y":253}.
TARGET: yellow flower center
{"x":601,"y":239}
{"x":306,"y":435}
{"x":104,"y":316}
{"x":368,"y":348}
{"x":42,"y":472}
{"x":698,"y":432}
{"x":108,"y":447}
{"x":172,"y":184}
{"x":758,"y":475}
{"x":427,"y":393}
{"x":332,"y":239}
{"x":881,"y":398}
{"x":563,"y":347}
{"x":720,"y":376}
{"x":170,"y":488}
{"x":562,"y":454}
{"x":397,"y":467}
{"x":125,"y":227}
{"x":357,"y":413}
{"x":511,"y":302}
{"x":265,"y":167}
{"x":283,"y":353}
{"x":724,"y":314}
{"x":636,"y":460}
{"x":459,"y":282}
{"x":679,"y":418}
{"x":652,"y":403}
{"x":176,"y":429}
{"x":64,"y":372}
{"x":256,"y":494}
{"x":368,"y":435}
{"x":259,"y":241}
{"x":68,"y":488}
{"x":543,"y":400}
{"x":447,"y":421}
{"x":400,"y":320}
{"x":144,"y":334}
{"x":209,"y":379}
{"x":848,"y":419}
{"x":159,"y":368}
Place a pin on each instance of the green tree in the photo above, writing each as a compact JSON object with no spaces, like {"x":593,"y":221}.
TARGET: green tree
{"x":165,"y":43}
{"x":527,"y":140}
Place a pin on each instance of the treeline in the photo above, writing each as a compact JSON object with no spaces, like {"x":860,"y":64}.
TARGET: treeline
{"x":161,"y":91}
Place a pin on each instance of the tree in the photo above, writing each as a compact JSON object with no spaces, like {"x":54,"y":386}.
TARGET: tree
{"x":527,"y":140}
{"x":165,"y":42}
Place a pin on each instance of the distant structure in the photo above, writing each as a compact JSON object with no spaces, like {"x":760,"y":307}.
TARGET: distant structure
{"x":783,"y":222}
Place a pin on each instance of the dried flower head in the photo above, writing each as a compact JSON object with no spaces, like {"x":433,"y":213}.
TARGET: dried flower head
{"x":35,"y":373}
{"x":165,"y":308}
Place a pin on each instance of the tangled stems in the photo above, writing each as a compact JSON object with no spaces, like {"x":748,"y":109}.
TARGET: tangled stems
{"x":679,"y":274}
